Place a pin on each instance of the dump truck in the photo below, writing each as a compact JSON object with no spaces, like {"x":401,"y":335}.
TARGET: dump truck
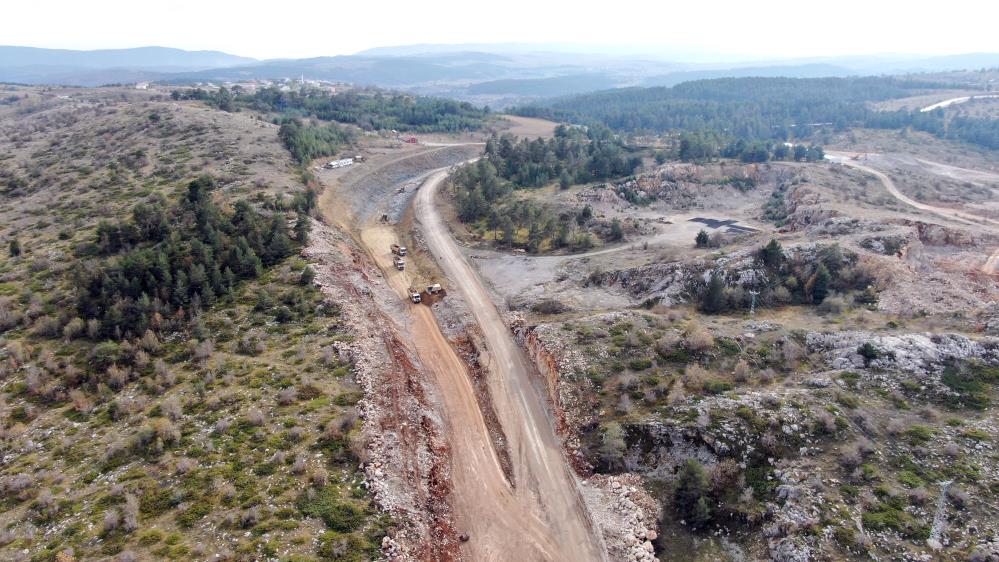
{"x":399,"y":264}
{"x":414,"y":295}
{"x":398,"y":250}
{"x":434,"y":289}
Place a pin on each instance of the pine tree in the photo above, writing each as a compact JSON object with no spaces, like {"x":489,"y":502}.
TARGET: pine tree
{"x":772,"y":255}
{"x":509,"y":230}
{"x":689,"y":495}
{"x":308,"y":276}
{"x":616,"y":231}
{"x":702,"y":239}
{"x":820,"y":284}
{"x":302,"y":228}
{"x":714,"y":299}
{"x":15,"y":247}
{"x":564,"y":181}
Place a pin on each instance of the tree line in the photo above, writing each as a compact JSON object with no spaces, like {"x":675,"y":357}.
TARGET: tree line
{"x":790,"y":279}
{"x":372,"y":110}
{"x":306,"y":142}
{"x":573,"y":156}
{"x":164,"y":263}
{"x":765,"y":109}
{"x":701,"y":146}
{"x":481,"y":194}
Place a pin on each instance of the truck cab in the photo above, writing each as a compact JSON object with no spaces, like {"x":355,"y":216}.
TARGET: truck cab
{"x":399,"y":264}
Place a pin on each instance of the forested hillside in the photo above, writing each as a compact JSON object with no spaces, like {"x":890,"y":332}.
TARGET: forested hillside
{"x":369,"y":110}
{"x":170,"y":385}
{"x":765,"y":108}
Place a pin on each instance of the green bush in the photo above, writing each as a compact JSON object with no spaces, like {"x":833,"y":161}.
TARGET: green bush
{"x":337,"y":514}
{"x":339,"y":547}
{"x":919,"y":434}
{"x":885,"y":517}
{"x":640,"y":364}
{"x":716,"y":386}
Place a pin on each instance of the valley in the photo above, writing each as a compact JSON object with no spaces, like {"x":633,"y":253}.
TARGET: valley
{"x":735,"y":318}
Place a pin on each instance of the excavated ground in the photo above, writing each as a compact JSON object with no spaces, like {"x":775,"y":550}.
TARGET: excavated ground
{"x":449,"y":433}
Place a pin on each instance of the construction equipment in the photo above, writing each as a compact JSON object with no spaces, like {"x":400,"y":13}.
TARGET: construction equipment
{"x":414,"y":295}
{"x":398,"y":250}
{"x":410,"y":140}
{"x":399,"y":264}
{"x":434,"y":289}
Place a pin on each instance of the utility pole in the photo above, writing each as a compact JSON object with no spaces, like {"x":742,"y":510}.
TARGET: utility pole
{"x":752,"y":305}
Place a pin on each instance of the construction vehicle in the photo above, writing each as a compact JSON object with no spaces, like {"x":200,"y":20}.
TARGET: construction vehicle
{"x":398,"y":250}
{"x":410,"y":140}
{"x":399,"y":264}
{"x":434,"y":289}
{"x":414,"y":295}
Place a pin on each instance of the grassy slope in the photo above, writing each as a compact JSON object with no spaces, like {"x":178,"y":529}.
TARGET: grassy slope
{"x":240,"y":447}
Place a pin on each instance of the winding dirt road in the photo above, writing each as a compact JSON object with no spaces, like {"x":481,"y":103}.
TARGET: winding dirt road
{"x":991,"y":264}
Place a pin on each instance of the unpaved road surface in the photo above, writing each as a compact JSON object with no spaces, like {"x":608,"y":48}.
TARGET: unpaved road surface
{"x":991,"y":265}
{"x":501,"y":527}
{"x":540,"y":515}
{"x":955,"y":101}
{"x":546,"y":498}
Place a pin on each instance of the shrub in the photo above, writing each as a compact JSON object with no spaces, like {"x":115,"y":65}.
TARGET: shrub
{"x":326,"y":504}
{"x":698,"y":339}
{"x":868,"y":352}
{"x":255,"y":418}
{"x":336,"y":547}
{"x":887,"y":516}
{"x":919,"y":434}
{"x":713,"y":386}
{"x":549,"y":306}
{"x":640,"y":364}
{"x":694,"y":378}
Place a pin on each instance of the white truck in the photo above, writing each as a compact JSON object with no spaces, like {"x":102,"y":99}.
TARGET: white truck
{"x":414,"y":296}
{"x":399,"y":264}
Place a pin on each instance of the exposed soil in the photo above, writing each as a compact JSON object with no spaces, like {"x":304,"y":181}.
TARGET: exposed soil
{"x":543,"y":516}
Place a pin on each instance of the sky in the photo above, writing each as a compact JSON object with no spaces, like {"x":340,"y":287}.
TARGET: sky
{"x":737,"y":29}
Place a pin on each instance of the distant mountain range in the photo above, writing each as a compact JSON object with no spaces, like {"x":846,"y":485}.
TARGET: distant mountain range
{"x":32,"y":65}
{"x":494,"y":74}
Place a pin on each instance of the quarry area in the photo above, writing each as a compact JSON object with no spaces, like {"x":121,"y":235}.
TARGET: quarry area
{"x":821,"y":431}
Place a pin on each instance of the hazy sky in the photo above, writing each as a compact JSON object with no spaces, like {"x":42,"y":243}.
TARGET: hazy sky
{"x":290,"y":28}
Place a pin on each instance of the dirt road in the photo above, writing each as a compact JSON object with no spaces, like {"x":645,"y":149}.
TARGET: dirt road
{"x":991,"y":265}
{"x":501,"y":527}
{"x":542,"y":516}
{"x":955,"y":101}
{"x":546,"y":491}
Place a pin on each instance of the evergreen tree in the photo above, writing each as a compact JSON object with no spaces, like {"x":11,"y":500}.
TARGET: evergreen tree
{"x":564,"y":181}
{"x":689,"y":495}
{"x":702,"y":239}
{"x":772,"y":255}
{"x":714,"y":299}
{"x":820,"y":284}
{"x":308,"y":276}
{"x":616,"y":231}
{"x":509,"y":231}
{"x":15,"y":247}
{"x":302,"y":229}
